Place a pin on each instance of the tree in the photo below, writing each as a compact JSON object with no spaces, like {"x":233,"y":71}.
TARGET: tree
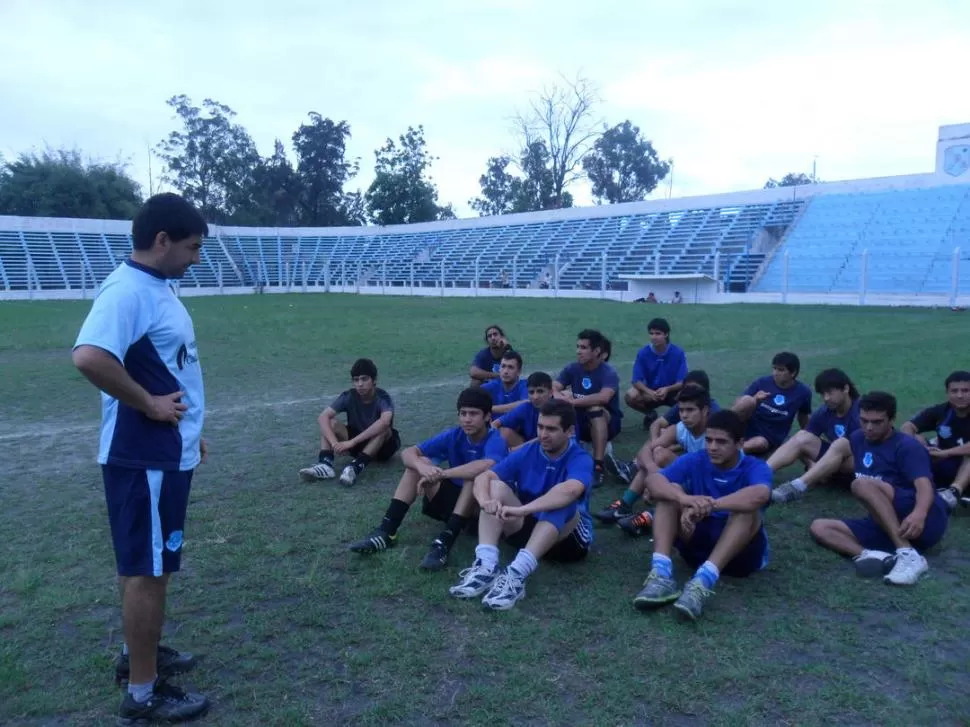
{"x":562,"y":118}
{"x":400,"y":192}
{"x":323,"y":171}
{"x":211,"y":161}
{"x":59,"y":183}
{"x":500,"y":189}
{"x":270,"y":200}
{"x":622,"y":166}
{"x":792,"y":179}
{"x":504,"y":192}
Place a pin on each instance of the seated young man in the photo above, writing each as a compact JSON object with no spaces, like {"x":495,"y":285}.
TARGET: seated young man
{"x":369,"y":433}
{"x":487,"y":362}
{"x":837,"y":417}
{"x":770,"y":404}
{"x":469,"y":449}
{"x":521,"y":425}
{"x":658,"y":373}
{"x":894,"y":481}
{"x":709,"y":505}
{"x":698,"y":377}
{"x":537,"y":499}
{"x":508,"y":390}
{"x":687,"y":436}
{"x":950,"y":450}
{"x":593,"y":388}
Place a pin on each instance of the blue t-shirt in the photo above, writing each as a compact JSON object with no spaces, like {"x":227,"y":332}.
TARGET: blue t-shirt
{"x":138,"y":319}
{"x":899,"y":460}
{"x":826,"y":423}
{"x":454,"y":447}
{"x":657,"y":370}
{"x":673,"y":414}
{"x":697,"y":475}
{"x":523,"y":419}
{"x":773,"y":417}
{"x":583,"y":383}
{"x":496,"y":389}
{"x":531,"y":473}
{"x":486,"y":361}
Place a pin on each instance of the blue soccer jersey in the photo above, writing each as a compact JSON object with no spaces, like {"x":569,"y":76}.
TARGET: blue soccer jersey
{"x":673,"y":413}
{"x":523,"y":419}
{"x":500,"y":395}
{"x":656,"y":370}
{"x":773,"y":417}
{"x":697,"y":475}
{"x":454,"y":447}
{"x":826,"y":424}
{"x":584,"y":383}
{"x":899,"y":460}
{"x":486,"y":361}
{"x":137,"y":318}
{"x":532,"y":473}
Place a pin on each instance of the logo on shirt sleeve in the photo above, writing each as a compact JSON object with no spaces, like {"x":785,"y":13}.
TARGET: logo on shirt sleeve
{"x":587,"y":382}
{"x":867,"y":460}
{"x":840,"y":430}
{"x":779,"y":399}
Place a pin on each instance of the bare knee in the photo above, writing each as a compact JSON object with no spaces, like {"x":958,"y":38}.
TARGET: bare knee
{"x":820,"y":529}
{"x":632,"y":397}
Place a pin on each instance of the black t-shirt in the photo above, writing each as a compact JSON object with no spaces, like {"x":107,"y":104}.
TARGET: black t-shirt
{"x":951,"y":430}
{"x":361,"y":415}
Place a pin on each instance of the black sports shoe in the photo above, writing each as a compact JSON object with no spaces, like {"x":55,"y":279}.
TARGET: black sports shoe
{"x":377,"y":541}
{"x":598,"y":475}
{"x":437,"y":557}
{"x":167,"y":704}
{"x":649,"y":419}
{"x":614,"y":512}
{"x":169,"y":663}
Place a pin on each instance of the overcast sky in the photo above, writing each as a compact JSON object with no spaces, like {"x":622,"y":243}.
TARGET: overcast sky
{"x":733,"y":91}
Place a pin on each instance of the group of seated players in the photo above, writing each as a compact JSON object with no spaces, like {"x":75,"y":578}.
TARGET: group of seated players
{"x":515,"y":468}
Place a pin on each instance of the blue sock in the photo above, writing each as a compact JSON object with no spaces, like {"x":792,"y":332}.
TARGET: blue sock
{"x":124,"y":648}
{"x":663,"y":565}
{"x":708,"y":574}
{"x":141,"y":693}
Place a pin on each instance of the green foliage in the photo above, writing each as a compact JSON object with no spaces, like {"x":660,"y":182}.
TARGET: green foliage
{"x":401,"y":193}
{"x":323,"y":171}
{"x":792,"y":179}
{"x":623,"y":166}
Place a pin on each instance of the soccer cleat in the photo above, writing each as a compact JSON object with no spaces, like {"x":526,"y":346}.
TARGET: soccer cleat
{"x":376,"y":542}
{"x":657,"y":591}
{"x":168,"y":663}
{"x":873,"y":563}
{"x":691,"y":601}
{"x":349,"y":476}
{"x":636,"y":525}
{"x":910,"y":567}
{"x":951,"y":497}
{"x":508,"y":589}
{"x":319,"y":471}
{"x":614,"y":512}
{"x":167,"y":704}
{"x":626,"y":471}
{"x":597,"y":477}
{"x":786,"y":492}
{"x":437,"y":557}
{"x":474,"y":581}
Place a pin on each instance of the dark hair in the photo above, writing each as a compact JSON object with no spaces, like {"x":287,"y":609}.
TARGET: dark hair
{"x":497,"y":328}
{"x":835,"y":379}
{"x":475,"y":398}
{"x":880,"y":401}
{"x":698,"y":377}
{"x":695,"y":395}
{"x":606,"y":350}
{"x":562,"y":409}
{"x":727,"y":421}
{"x":961,"y":376}
{"x":167,"y":213}
{"x":787,"y":360}
{"x":659,"y":324}
{"x":511,"y":355}
{"x":363,"y":367}
{"x":537,"y":379}
{"x":594,"y":337}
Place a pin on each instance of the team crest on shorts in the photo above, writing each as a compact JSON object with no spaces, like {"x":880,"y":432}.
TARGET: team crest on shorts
{"x":779,"y":399}
{"x":174,"y":542}
{"x":956,"y":159}
{"x":587,"y":382}
{"x":840,"y":430}
{"x":944,"y":431}
{"x":867,"y":460}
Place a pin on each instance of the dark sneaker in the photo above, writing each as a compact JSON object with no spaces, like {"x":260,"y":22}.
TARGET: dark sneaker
{"x":374,"y":543}
{"x":626,"y":471}
{"x":614,"y":512}
{"x":598,"y":475}
{"x":636,"y":525}
{"x":437,"y":557}
{"x":169,"y":663}
{"x":649,"y":419}
{"x":167,"y":704}
{"x":691,"y":601}
{"x":657,"y":591}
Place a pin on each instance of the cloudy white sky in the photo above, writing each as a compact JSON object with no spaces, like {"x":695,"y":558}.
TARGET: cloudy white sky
{"x":734,"y":91}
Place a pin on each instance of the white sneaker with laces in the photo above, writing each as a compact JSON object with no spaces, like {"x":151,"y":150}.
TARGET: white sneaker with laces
{"x":508,"y":589}
{"x":949,"y":497}
{"x":910,"y":567}
{"x":349,"y":476}
{"x":873,"y":563}
{"x":319,"y":471}
{"x":474,"y":581}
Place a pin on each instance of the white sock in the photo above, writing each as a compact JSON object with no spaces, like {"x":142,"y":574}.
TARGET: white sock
{"x":524,"y":564}
{"x":488,"y":554}
{"x":799,"y":485}
{"x":141,"y":693}
{"x":124,"y":648}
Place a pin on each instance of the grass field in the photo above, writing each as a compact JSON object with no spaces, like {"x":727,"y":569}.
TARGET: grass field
{"x":295,"y":630}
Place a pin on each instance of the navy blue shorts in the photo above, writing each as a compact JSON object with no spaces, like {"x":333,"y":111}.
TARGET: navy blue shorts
{"x":872,"y":537}
{"x":146,"y":511}
{"x":695,"y":551}
{"x":945,"y":470}
{"x":570,"y":549}
{"x":755,"y":430}
{"x":586,"y":435}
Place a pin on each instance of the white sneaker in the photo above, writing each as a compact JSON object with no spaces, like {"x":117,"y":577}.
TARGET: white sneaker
{"x":873,"y":563}
{"x":349,"y":476}
{"x":949,"y":497}
{"x":474,"y":581}
{"x":910,"y":567}
{"x":319,"y":471}
{"x":508,"y":589}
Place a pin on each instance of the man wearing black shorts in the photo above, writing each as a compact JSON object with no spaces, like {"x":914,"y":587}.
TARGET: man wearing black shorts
{"x":369,"y":433}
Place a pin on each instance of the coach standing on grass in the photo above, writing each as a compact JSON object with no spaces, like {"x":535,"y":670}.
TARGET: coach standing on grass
{"x":137,"y":345}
